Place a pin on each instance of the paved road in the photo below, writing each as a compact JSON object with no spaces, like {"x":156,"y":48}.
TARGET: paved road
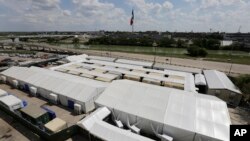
{"x":225,"y":67}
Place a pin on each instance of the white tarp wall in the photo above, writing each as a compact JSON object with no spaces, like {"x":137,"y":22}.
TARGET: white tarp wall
{"x":68,"y":87}
{"x":179,"y":114}
{"x":95,"y":125}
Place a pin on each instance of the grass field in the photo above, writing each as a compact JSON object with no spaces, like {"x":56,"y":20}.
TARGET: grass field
{"x":238,"y":57}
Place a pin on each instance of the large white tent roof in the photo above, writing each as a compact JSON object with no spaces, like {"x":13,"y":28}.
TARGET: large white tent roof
{"x":81,"y":89}
{"x":134,"y":62}
{"x":219,"y":80}
{"x":182,"y":78}
{"x":197,"y":113}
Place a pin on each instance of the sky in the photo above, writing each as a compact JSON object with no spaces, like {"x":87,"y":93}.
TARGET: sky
{"x":114,"y":15}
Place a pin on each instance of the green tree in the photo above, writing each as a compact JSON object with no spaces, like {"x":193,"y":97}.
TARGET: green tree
{"x":195,"y":51}
{"x":75,"y":41}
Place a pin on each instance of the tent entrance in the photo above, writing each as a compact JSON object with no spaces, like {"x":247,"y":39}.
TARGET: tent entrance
{"x":71,"y":104}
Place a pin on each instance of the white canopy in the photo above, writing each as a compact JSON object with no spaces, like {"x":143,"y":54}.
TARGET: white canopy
{"x":177,"y":113}
{"x":81,"y":90}
{"x":219,"y":80}
{"x":96,"y":126}
{"x":133,"y":62}
{"x":200,"y":79}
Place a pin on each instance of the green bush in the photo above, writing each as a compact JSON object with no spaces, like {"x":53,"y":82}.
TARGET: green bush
{"x":195,"y":51}
{"x":243,"y":83}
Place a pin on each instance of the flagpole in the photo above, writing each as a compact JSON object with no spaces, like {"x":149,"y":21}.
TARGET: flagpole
{"x":132,"y":28}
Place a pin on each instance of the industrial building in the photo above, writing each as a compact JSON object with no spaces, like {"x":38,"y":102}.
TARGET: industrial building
{"x":75,"y":92}
{"x":220,"y":85}
{"x":181,"y":115}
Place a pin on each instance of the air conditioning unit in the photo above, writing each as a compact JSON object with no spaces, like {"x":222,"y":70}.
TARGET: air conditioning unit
{"x":135,"y":129}
{"x":118,"y":123}
{"x":77,"y":109}
{"x":33,"y":91}
{"x":15,"y":83}
{"x":3,"y":79}
{"x":53,"y":98}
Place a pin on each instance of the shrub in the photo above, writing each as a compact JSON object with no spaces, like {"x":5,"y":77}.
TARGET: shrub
{"x":195,"y":51}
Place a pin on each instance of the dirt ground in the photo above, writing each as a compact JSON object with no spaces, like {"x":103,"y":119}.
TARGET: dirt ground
{"x":11,"y":130}
{"x":239,"y":116}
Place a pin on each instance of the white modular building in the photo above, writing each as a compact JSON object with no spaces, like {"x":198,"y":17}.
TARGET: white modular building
{"x":3,"y":93}
{"x":220,"y":85}
{"x":76,"y":58}
{"x":69,"y":89}
{"x":11,"y":102}
{"x":200,"y":83}
{"x":184,"y":116}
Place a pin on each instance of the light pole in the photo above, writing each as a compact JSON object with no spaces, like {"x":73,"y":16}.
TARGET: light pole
{"x":154,"y":45}
{"x":231,"y":53}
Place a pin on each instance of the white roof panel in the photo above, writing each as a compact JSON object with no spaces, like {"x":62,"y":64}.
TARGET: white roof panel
{"x":74,"y":87}
{"x":219,"y":80}
{"x":133,"y":62}
{"x":10,"y":100}
{"x":109,"y":59}
{"x":200,"y":79}
{"x":184,"y":110}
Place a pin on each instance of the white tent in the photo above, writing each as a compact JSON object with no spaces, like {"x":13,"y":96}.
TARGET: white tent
{"x":3,"y":93}
{"x":76,"y":58}
{"x":200,"y":79}
{"x":219,"y":80}
{"x":134,"y":62}
{"x":11,"y":102}
{"x":182,"y":115}
{"x":69,"y":88}
{"x":95,"y":125}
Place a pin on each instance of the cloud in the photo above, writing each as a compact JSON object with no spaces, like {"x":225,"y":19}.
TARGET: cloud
{"x":216,"y":3}
{"x":66,"y":12}
{"x":161,"y":15}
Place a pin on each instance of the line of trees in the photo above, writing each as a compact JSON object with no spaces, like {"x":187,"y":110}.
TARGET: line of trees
{"x":142,"y":41}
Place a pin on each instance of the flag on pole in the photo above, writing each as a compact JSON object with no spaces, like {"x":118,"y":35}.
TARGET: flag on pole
{"x":132,"y":18}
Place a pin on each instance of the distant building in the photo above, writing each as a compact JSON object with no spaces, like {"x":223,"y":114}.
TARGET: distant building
{"x":226,"y":43}
{"x":221,"y":86}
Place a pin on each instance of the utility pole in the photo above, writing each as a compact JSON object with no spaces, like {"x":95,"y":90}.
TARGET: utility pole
{"x":154,"y":46}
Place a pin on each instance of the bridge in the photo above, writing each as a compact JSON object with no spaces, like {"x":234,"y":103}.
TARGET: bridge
{"x":13,"y":38}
